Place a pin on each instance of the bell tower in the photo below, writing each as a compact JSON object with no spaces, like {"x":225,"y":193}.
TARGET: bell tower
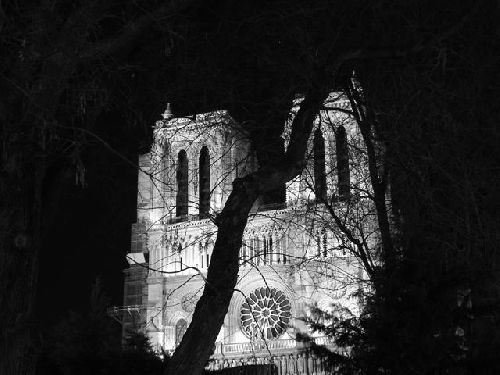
{"x":192,"y":164}
{"x":184,"y":181}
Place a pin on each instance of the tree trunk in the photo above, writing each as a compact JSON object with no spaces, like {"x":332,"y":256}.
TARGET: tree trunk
{"x":192,"y":354}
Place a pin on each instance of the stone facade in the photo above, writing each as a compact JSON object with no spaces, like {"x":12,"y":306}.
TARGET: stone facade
{"x":292,"y":258}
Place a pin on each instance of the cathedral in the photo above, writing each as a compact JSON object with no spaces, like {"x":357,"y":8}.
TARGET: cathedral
{"x":294,"y":257}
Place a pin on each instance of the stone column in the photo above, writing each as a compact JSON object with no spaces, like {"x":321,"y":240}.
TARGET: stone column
{"x":276,"y":247}
{"x":301,"y":369}
{"x":283,"y":362}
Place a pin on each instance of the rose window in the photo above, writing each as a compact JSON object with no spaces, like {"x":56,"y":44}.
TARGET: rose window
{"x":265,"y":314}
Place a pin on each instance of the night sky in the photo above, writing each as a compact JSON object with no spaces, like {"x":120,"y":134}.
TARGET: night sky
{"x":90,"y":233}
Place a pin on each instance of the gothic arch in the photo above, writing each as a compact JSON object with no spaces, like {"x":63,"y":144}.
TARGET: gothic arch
{"x":343,"y":172}
{"x":182,"y":184}
{"x":180,"y":330}
{"x":319,"y":165}
{"x":204,"y":183}
{"x":173,"y":317}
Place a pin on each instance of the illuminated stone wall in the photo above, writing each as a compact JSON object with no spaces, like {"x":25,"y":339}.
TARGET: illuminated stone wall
{"x":291,"y":253}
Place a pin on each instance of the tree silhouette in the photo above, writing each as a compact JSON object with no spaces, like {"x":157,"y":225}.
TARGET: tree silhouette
{"x":417,"y":64}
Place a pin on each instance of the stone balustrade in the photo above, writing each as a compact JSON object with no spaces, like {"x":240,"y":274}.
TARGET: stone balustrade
{"x":299,"y":363}
{"x":251,"y":347}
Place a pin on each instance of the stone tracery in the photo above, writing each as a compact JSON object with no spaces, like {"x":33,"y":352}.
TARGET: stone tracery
{"x":265,"y":314}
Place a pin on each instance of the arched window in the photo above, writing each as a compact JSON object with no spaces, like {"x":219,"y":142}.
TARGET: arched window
{"x":343,"y":173}
{"x":204,"y":182}
{"x":180,"y":330}
{"x":182,"y":184}
{"x":319,"y":165}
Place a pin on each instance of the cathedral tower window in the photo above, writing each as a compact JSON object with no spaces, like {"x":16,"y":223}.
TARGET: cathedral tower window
{"x":182,"y":184}
{"x":204,"y":182}
{"x":343,"y":173}
{"x":319,"y":165}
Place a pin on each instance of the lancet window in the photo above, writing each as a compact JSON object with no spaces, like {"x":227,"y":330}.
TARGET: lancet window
{"x":343,"y":172}
{"x":319,"y":165}
{"x":204,"y":182}
{"x":180,"y":330}
{"x":182,"y":184}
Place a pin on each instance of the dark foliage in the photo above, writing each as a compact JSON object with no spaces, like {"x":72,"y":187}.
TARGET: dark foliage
{"x":91,"y":344}
{"x":430,"y":78}
{"x":426,"y":102}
